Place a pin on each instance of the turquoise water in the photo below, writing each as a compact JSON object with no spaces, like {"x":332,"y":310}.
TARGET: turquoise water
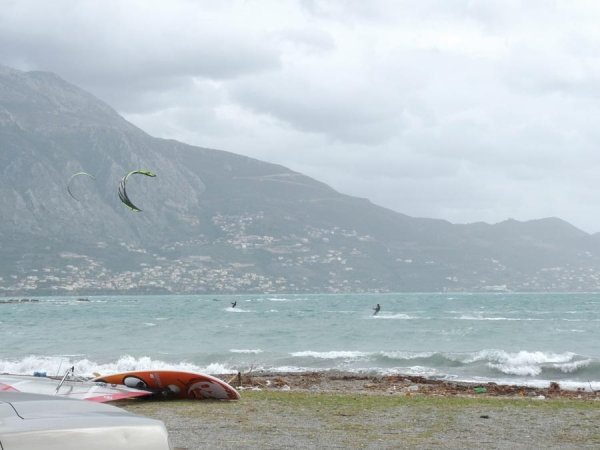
{"x":507,"y":338}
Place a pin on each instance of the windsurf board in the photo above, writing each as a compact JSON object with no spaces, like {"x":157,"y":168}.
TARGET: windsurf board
{"x":174,"y":383}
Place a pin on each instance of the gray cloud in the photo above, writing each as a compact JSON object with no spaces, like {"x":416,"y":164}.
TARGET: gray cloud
{"x":117,"y":48}
{"x":466,"y":110}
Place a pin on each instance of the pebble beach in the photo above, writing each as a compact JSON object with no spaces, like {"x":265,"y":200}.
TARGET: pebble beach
{"x":346,"y":411}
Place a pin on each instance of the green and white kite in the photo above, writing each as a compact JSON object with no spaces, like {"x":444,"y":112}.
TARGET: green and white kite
{"x":123,"y":193}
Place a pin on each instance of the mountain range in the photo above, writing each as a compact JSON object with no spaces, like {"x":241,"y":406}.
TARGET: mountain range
{"x":216,"y":222}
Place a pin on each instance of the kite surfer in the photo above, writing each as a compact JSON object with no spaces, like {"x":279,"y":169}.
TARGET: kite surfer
{"x":376,"y":309}
{"x":233,"y":304}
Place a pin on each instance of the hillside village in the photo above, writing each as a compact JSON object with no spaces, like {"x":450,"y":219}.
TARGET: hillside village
{"x":296,"y":257}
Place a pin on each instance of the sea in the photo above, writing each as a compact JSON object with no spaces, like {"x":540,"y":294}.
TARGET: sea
{"x":528,"y":339}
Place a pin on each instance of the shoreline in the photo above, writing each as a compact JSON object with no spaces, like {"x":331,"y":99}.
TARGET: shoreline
{"x":340,"y":381}
{"x":314,"y":410}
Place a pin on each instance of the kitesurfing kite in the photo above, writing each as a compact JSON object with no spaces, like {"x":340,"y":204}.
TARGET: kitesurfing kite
{"x":123,"y":193}
{"x":71,"y":179}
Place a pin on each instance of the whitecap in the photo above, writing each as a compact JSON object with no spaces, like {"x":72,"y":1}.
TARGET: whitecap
{"x":129,"y":363}
{"x":407,"y":355}
{"x":289,"y":369}
{"x":330,"y":355}
{"x":420,"y":371}
{"x":393,"y":316}
{"x":284,"y":299}
{"x":521,"y":370}
{"x":572,"y":366}
{"x":523,"y":363}
{"x":480,"y":317}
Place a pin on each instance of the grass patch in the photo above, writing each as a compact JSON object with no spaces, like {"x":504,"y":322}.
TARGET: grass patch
{"x":357,"y":403}
{"x":358,"y":420}
{"x":345,"y":405}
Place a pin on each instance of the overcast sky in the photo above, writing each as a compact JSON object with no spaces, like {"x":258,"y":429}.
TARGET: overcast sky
{"x":464,"y":110}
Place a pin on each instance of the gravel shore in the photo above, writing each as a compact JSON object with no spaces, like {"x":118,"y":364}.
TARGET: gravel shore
{"x":346,"y":411}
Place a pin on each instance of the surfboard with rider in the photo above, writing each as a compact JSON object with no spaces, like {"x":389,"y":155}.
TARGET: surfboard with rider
{"x":376,"y":309}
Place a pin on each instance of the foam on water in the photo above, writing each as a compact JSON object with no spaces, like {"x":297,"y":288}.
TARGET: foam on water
{"x":85,"y":367}
{"x":529,"y":364}
{"x":407,"y":355}
{"x":392,"y":316}
{"x":479,"y":317}
{"x":329,"y":355}
{"x":574,"y":366}
{"x":294,"y":299}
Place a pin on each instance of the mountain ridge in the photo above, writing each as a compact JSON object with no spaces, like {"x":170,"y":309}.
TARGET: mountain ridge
{"x":236,"y":224}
